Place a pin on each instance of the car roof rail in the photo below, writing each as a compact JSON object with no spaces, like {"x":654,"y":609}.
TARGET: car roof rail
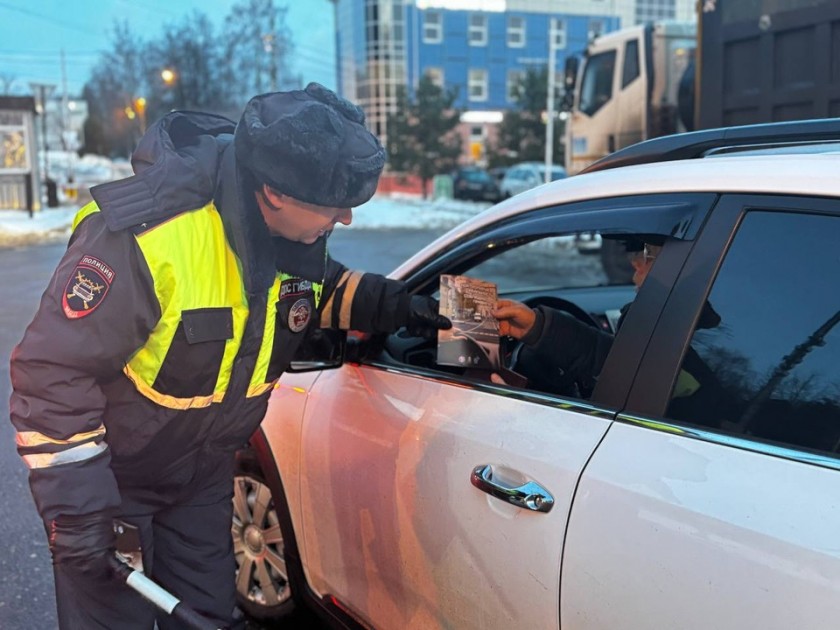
{"x":697,"y":144}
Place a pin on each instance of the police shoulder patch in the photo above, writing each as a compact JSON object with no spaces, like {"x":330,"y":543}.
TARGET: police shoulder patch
{"x":87,"y":287}
{"x":299,"y":315}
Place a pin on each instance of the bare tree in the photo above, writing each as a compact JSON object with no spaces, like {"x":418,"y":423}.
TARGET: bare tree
{"x":8,"y":80}
{"x":257,"y":46}
{"x":116,"y":83}
{"x":191,"y":51}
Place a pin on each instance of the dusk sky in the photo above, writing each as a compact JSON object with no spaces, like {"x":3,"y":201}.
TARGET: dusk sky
{"x":32,"y":35}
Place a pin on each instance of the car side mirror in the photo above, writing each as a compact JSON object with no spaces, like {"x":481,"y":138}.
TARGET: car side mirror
{"x":322,"y":349}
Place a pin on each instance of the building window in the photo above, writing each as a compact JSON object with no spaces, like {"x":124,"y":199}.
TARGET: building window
{"x":477,"y":85}
{"x":432,"y":27}
{"x":596,"y":28}
{"x":514,"y":77}
{"x":559,"y":34}
{"x":478,"y":30}
{"x":515,"y":31}
{"x":436,"y":75}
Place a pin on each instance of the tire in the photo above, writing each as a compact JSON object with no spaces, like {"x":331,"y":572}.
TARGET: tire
{"x":263,"y":590}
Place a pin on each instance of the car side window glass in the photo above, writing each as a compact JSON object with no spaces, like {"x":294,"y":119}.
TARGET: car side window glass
{"x":582,"y":279}
{"x":631,"y":62}
{"x":559,"y":262}
{"x":763,"y":358}
{"x":597,"y":82}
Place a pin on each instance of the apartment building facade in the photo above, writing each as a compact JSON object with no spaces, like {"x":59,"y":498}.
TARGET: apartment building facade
{"x":480,"y":48}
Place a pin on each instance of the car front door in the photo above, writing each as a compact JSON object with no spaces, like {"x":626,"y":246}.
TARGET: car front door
{"x":406,"y":470}
{"x":712,"y":501}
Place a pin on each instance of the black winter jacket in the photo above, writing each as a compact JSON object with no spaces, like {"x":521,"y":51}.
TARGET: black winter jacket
{"x":84,"y":427}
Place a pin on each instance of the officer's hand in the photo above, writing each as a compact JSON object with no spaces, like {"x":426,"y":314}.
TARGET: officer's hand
{"x":84,"y":543}
{"x":423,"y":318}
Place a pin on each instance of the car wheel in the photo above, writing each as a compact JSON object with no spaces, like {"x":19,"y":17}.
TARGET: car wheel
{"x":262,"y":581}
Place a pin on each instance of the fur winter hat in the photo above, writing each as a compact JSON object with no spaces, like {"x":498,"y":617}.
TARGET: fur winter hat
{"x":311,"y":145}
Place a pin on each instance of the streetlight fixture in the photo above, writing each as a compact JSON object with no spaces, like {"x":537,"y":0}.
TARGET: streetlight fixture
{"x":140,"y":109}
{"x":168,"y":75}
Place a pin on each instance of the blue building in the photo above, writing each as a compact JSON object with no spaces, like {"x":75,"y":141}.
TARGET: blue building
{"x":478,"y":47}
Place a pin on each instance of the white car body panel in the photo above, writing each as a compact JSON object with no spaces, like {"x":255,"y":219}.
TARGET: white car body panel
{"x":666,"y":531}
{"x":673,"y":532}
{"x":418,"y":546}
{"x":282,"y":429}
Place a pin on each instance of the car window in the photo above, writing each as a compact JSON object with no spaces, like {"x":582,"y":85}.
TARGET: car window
{"x":763,"y":358}
{"x":571,"y":259}
{"x":631,"y":62}
{"x":559,"y":262}
{"x":582,"y":278}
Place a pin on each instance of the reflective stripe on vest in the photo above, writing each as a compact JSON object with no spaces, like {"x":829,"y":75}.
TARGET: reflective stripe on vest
{"x":258,"y":383}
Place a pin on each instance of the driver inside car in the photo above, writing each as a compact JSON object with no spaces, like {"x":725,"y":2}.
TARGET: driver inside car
{"x":563,"y":355}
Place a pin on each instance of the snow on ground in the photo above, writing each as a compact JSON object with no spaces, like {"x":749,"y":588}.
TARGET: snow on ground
{"x":380,"y":213}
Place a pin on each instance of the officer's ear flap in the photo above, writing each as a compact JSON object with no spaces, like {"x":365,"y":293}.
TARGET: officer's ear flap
{"x":274,"y":198}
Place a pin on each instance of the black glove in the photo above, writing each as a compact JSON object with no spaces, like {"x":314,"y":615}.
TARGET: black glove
{"x":84,"y":543}
{"x":423,"y":318}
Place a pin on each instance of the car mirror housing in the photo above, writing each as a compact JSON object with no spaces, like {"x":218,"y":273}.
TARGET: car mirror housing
{"x":322,"y":349}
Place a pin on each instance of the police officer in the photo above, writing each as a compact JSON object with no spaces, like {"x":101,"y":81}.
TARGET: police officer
{"x":180,"y":301}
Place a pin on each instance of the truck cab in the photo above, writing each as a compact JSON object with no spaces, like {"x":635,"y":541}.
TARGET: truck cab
{"x":629,"y":89}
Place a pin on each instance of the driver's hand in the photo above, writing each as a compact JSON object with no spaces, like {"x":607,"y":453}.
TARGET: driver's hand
{"x":498,"y":380}
{"x":515,"y":319}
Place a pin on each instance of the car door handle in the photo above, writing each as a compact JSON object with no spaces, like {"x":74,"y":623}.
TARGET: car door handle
{"x":529,"y":496}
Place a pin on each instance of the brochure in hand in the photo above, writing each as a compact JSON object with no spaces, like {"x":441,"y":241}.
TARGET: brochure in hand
{"x":473,"y":340}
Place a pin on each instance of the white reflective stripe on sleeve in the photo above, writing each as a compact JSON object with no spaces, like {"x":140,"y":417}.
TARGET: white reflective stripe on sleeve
{"x":33,"y":438}
{"x":75,"y":454}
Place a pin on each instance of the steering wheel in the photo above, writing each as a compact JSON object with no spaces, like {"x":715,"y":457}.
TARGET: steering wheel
{"x":559,"y":384}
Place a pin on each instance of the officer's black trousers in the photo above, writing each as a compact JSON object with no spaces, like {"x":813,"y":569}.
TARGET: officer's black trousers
{"x":187,"y":549}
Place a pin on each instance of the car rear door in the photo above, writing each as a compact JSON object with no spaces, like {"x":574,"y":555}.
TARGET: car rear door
{"x":721,"y":510}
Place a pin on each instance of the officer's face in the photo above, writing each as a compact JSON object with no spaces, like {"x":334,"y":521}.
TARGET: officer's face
{"x":297,"y":220}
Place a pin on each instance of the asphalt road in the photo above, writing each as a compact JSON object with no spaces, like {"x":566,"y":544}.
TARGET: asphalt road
{"x":26,"y":588}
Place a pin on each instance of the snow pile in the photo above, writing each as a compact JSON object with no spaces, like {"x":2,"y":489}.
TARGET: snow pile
{"x":49,"y":225}
{"x":408,"y":212}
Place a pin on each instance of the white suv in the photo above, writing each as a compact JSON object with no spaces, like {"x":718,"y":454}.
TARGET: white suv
{"x":693,"y":483}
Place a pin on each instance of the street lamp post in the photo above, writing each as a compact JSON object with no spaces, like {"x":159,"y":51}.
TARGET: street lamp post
{"x":140,"y":108}
{"x":42,"y":92}
{"x":549,"y":127}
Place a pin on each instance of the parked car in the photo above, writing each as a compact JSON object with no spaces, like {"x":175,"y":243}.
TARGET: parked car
{"x":394,"y":493}
{"x":521,"y":177}
{"x":475,"y":184}
{"x":498,"y":174}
